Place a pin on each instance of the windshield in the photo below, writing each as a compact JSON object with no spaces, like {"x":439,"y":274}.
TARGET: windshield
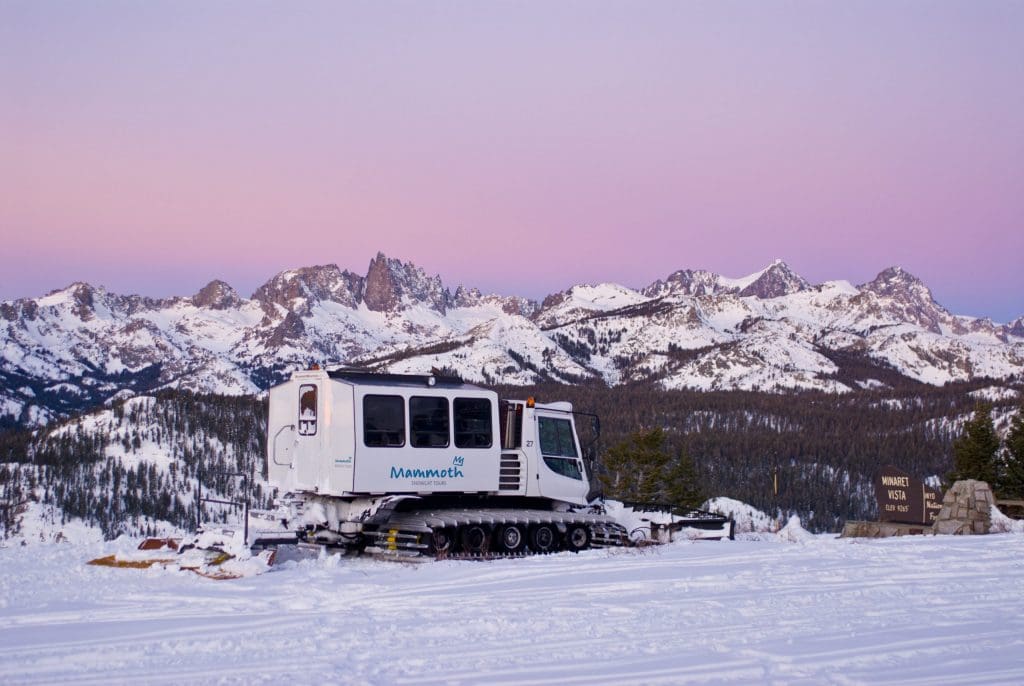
{"x":556,"y":437}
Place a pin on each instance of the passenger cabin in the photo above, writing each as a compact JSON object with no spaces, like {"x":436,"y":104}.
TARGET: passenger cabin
{"x":350,"y":433}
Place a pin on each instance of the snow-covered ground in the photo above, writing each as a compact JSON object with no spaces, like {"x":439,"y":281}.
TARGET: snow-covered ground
{"x":919,"y":610}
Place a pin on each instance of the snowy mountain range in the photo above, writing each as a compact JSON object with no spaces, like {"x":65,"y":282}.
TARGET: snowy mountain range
{"x":772,"y":330}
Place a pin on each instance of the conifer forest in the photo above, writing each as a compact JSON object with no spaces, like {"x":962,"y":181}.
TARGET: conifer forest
{"x":127,"y":467}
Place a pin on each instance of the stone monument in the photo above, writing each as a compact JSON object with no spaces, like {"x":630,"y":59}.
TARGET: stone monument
{"x":966,"y":509}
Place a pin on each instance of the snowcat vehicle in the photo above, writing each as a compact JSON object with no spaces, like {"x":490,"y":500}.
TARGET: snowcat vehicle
{"x":430,"y":466}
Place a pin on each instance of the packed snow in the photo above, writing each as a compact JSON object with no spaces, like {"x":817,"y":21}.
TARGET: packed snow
{"x":785,"y":608}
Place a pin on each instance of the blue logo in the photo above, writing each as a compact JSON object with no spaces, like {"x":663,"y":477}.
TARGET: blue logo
{"x":453,"y":472}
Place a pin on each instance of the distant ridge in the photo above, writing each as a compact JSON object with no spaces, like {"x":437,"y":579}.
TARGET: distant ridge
{"x":771,"y":330}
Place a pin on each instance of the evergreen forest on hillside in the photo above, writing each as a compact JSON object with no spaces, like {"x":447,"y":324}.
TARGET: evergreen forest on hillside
{"x":823,"y":448}
{"x":160,"y":446}
{"x":139,"y":462}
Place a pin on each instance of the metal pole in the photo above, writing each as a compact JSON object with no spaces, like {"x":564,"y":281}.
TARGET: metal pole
{"x":245,"y":513}
{"x":199,"y":499}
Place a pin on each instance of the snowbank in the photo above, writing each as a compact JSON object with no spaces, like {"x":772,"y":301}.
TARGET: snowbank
{"x":41,"y":524}
{"x":794,"y":532}
{"x":1001,"y":524}
{"x":748,"y":518}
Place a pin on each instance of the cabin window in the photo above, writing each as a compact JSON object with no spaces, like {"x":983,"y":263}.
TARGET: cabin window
{"x":565,"y":467}
{"x":510,"y":425}
{"x":556,"y":437}
{"x":383,"y":421}
{"x":472,"y":423}
{"x":307,"y":410}
{"x":558,"y":446}
{"x":429,"y":422}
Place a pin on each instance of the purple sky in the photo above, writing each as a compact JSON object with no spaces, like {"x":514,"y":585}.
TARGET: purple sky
{"x":519,"y":147}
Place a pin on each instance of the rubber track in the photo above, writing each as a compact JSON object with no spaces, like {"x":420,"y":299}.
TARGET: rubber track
{"x":412,"y":530}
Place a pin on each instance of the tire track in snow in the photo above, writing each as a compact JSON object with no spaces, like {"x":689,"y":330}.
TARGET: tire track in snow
{"x":738,"y":612}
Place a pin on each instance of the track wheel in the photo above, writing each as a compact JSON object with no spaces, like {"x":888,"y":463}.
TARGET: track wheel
{"x":475,"y":539}
{"x":440,"y":542}
{"x":512,"y":538}
{"x":577,"y":538}
{"x":543,"y":538}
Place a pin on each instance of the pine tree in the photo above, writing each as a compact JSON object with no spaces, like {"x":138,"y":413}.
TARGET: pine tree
{"x":641,"y":469}
{"x":682,"y":485}
{"x":1011,"y":481}
{"x":634,"y":466}
{"x":974,"y":452}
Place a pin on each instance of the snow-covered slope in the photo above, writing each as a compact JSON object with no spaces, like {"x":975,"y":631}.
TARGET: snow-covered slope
{"x":770,"y":330}
{"x":913,"y":610}
{"x":133,"y":468}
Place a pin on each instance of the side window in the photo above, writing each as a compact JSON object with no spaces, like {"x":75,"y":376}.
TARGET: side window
{"x":428,"y":422}
{"x":307,"y":410}
{"x":556,"y":437}
{"x":472,"y":423}
{"x":383,"y":421}
{"x":565,"y":467}
{"x":510,"y":425}
{"x":558,"y":446}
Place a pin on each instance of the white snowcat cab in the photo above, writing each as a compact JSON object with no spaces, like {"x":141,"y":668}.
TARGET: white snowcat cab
{"x":347,"y":434}
{"x":414,"y":465}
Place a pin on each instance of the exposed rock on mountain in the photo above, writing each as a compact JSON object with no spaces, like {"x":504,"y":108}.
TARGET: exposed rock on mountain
{"x":290,"y":330}
{"x":391,"y":284}
{"x":298,"y":290}
{"x":904,"y":297}
{"x":771,"y":330}
{"x":509,"y":304}
{"x":686,"y":282}
{"x":216,"y":295}
{"x":774,"y":282}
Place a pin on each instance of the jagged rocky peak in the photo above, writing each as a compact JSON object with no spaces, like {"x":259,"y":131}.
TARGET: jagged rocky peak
{"x":685,"y":282}
{"x":1016,"y":327}
{"x":775,"y":281}
{"x":895,"y":282}
{"x":216,"y":295}
{"x":509,"y":304}
{"x":83,"y":294}
{"x":466,"y":297}
{"x":86,"y":301}
{"x":297,"y":290}
{"x":391,"y":284}
{"x":554,"y":300}
{"x":907,"y":298}
{"x":80,"y":297}
{"x":514,"y":304}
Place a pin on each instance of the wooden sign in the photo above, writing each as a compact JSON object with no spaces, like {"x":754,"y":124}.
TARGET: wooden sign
{"x":904,"y":499}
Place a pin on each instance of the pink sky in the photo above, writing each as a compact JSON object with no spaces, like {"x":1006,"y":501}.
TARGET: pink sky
{"x":519,"y":147}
